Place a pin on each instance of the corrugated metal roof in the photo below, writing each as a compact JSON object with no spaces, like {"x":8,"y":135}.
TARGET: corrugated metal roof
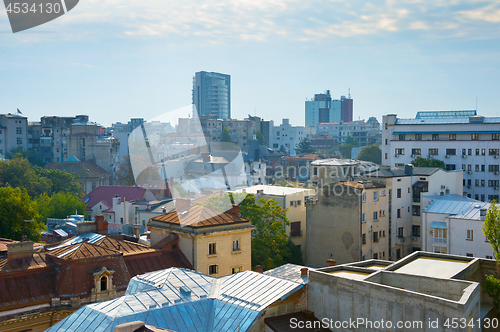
{"x":224,"y":304}
{"x":61,"y":232}
{"x":289,"y":272}
{"x":199,"y":216}
{"x":459,"y":207}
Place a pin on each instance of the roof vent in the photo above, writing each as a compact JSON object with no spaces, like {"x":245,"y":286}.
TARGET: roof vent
{"x":482,"y":212}
{"x":185,"y":290}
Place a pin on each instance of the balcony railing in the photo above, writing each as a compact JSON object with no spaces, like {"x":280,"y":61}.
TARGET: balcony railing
{"x":439,"y":240}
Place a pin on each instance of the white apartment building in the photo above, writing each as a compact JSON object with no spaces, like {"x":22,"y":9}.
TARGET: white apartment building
{"x":463,"y":140}
{"x":292,"y":199}
{"x":367,"y":133}
{"x":452,"y":224}
{"x":286,"y":135}
{"x":13,"y":133}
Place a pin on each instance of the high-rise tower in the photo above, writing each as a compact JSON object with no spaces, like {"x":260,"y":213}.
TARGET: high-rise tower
{"x":212,"y":94}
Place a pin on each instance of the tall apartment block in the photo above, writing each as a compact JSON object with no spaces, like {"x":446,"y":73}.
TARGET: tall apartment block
{"x":212,"y":94}
{"x":324,"y":109}
{"x":462,"y":139}
{"x":13,"y":133}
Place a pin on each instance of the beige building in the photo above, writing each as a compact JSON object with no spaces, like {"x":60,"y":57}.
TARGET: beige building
{"x":292,"y":199}
{"x":215,"y":243}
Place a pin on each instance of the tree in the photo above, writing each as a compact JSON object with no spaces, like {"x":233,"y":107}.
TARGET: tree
{"x":428,"y":162}
{"x":271,"y":247}
{"x":304,"y":146}
{"x":283,"y":149}
{"x":20,"y":152}
{"x":345,"y":150}
{"x":18,"y":215}
{"x":260,"y":137}
{"x":491,"y":229}
{"x":352,"y":140}
{"x":124,"y":176}
{"x":371,"y":153}
{"x":59,"y":205}
{"x":226,"y":136}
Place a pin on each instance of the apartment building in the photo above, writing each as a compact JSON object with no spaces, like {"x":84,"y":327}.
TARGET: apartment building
{"x":322,"y":108}
{"x":367,"y":133}
{"x":292,"y":199}
{"x":13,"y":133}
{"x":287,"y":136}
{"x":461,"y":139}
{"x":452,"y":224}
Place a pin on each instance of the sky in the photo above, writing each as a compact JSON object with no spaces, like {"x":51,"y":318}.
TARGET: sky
{"x":116,"y":60}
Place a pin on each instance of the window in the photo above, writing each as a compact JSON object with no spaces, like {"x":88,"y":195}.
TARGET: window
{"x":440,"y":235}
{"x":19,"y":130}
{"x":398,"y":254}
{"x":495,"y":137}
{"x":416,"y":152}
{"x":440,"y":250}
{"x":386,"y":141}
{"x":363,"y":197}
{"x":435,"y":137}
{"x":104,"y":283}
{"x":375,"y":255}
{"x":386,"y":155}
{"x":477,"y":152}
{"x":415,"y":210}
{"x":492,"y":183}
{"x":451,"y":167}
{"x":291,"y":203}
{"x":315,"y":171}
{"x":363,"y":239}
{"x":469,"y":167}
{"x":493,"y":168}
{"x":236,"y":245}
{"x":418,"y":137}
{"x":463,"y":167}
{"x":492,"y":198}
{"x":212,"y":248}
{"x":451,"y":152}
{"x":375,"y":237}
{"x":212,"y":269}
{"x":375,"y":216}
{"x":295,"y":229}
{"x":402,"y":137}
{"x":121,"y":220}
{"x":482,"y":197}
{"x":470,"y":235}
{"x":483,"y":152}
{"x":236,"y":269}
{"x":494,"y":152}
{"x":400,"y":232}
{"x":477,"y":183}
{"x":400,"y":151}
{"x":275,"y":146}
{"x":469,"y":152}
{"x":474,"y":137}
{"x":19,"y":141}
{"x":363,"y":218}
{"x":433,"y":152}
{"x":399,"y":213}
{"x":489,"y":257}
{"x":415,"y":230}
{"x":375,"y":195}
{"x":453,"y":137}
{"x":477,"y":168}
{"x":398,"y":193}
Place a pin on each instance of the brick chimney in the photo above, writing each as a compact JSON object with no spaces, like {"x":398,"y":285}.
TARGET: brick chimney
{"x":182,"y":203}
{"x":102,"y":226}
{"x":234,"y":210}
{"x":304,"y":271}
{"x":19,"y":250}
{"x":331,"y":262}
{"x":129,"y":327}
{"x":137,"y":232}
{"x":259,"y":269}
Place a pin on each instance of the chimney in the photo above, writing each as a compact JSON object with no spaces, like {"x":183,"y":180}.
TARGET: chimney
{"x":102,"y":226}
{"x":409,"y":169}
{"x":304,"y":271}
{"x":259,"y":269}
{"x":182,"y":203}
{"x":129,"y":327}
{"x":19,"y":250}
{"x":234,"y":210}
{"x":137,"y":232}
{"x":331,"y":262}
{"x":205,"y":156}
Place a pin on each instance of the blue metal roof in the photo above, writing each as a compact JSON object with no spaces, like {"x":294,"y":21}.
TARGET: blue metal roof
{"x":184,"y":300}
{"x":445,"y":121}
{"x":457,"y":207}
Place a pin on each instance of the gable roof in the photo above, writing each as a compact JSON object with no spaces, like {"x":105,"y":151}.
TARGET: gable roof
{"x":184,"y":300}
{"x":80,"y":169}
{"x":106,"y":194}
{"x":82,"y":251}
{"x":199,"y":216}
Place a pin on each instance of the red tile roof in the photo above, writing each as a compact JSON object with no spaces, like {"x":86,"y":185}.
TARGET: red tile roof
{"x":106,"y":194}
{"x":200,"y":216}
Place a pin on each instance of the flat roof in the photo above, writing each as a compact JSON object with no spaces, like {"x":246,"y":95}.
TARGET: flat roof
{"x":272,"y":190}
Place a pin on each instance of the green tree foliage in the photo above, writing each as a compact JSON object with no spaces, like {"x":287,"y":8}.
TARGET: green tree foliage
{"x":226,"y":137}
{"x":428,"y":162}
{"x":16,"y":206}
{"x":371,"y":153}
{"x":345,"y":149}
{"x":260,"y":137}
{"x":271,"y":247}
{"x":124,"y":176}
{"x":304,"y":146}
{"x":491,"y":229}
{"x":59,"y":206}
{"x":31,"y":155}
{"x":20,"y":173}
{"x":352,"y":140}
{"x":283,"y":149}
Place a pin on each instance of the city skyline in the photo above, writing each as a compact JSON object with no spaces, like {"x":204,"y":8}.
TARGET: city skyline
{"x":116,"y":62}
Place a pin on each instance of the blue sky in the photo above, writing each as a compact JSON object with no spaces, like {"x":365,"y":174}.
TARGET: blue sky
{"x":114,"y":60}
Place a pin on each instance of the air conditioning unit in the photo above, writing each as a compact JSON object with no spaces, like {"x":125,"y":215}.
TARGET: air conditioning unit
{"x":396,"y":155}
{"x":495,"y":188}
{"x":495,"y":156}
{"x":469,"y":172}
{"x":464,"y":156}
{"x":443,"y":187}
{"x":447,"y":156}
{"x":469,"y":186}
{"x":496,"y":173}
{"x":413,"y":156}
{"x":414,"y":238}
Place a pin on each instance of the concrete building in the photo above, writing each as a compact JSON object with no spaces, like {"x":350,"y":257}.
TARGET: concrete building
{"x":287,"y":136}
{"x":325,"y":171}
{"x":216,"y":243}
{"x":212,"y":94}
{"x":452,"y":224}
{"x":461,"y":139}
{"x":334,"y":225}
{"x":367,"y":133}
{"x":293,"y":199}
{"x":13,"y":133}
{"x":322,"y":109}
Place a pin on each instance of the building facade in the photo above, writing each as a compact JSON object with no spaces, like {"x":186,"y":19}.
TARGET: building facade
{"x":462,"y":140}
{"x":367,"y":133}
{"x":323,"y":109}
{"x":13,"y":133}
{"x":287,"y":136}
{"x":212,"y":94}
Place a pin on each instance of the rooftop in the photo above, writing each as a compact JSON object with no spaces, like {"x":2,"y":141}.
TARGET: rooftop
{"x":273,"y":190}
{"x":106,"y":194}
{"x":459,"y":207}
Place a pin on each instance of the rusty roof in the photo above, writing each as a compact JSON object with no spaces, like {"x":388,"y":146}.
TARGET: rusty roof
{"x":82,"y":251}
{"x":38,"y":260}
{"x":199,"y":216}
{"x":5,"y":242}
{"x":123,"y":246}
{"x":137,"y":265}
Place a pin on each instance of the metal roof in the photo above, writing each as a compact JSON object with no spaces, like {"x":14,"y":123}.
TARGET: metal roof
{"x":184,"y":300}
{"x":274,"y":190}
{"x":459,"y":207}
{"x":289,"y":272}
{"x":438,"y":121}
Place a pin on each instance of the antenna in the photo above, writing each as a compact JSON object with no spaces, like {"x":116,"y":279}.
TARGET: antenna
{"x":349,"y":92}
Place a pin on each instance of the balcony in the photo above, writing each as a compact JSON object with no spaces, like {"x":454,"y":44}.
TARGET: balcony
{"x":439,"y":240}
